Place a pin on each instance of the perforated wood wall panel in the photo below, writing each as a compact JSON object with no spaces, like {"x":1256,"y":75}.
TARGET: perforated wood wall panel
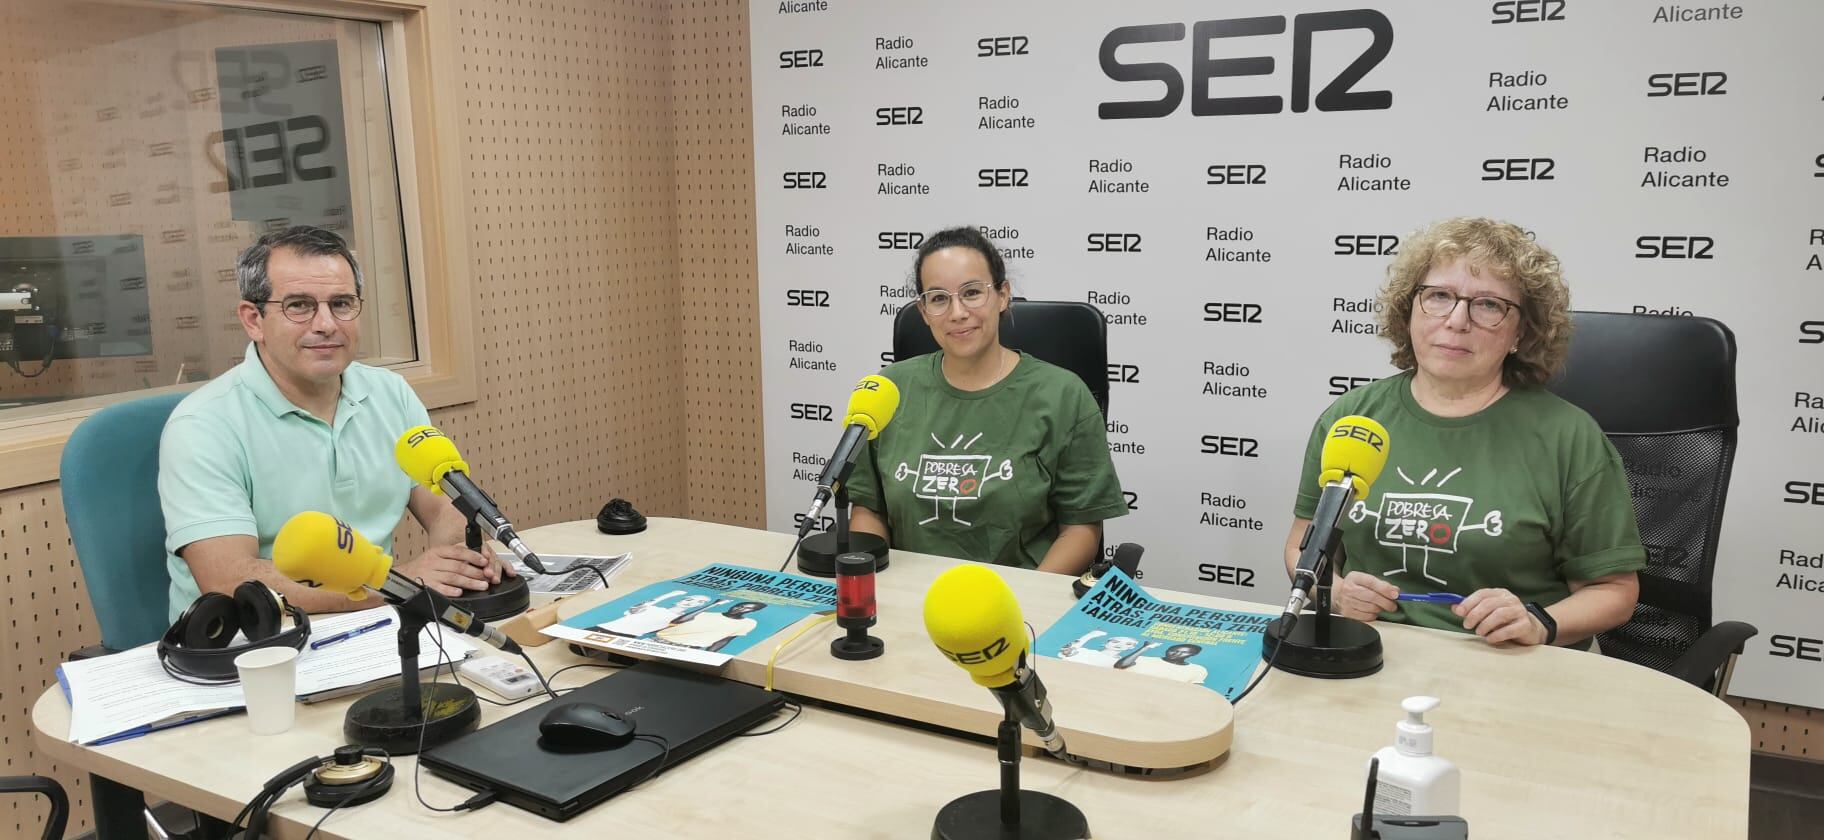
{"x":711,"y":117}
{"x":1777,"y":728}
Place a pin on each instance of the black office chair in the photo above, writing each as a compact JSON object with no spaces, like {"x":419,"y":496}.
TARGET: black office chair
{"x":59,"y":817}
{"x":1068,"y":334}
{"x":1663,"y":390}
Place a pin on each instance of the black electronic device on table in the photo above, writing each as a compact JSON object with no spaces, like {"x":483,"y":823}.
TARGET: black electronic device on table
{"x":691,"y":712}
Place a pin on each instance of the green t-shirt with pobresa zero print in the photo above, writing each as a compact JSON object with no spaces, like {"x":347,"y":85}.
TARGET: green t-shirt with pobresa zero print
{"x":1525,"y":495}
{"x":988,"y":475}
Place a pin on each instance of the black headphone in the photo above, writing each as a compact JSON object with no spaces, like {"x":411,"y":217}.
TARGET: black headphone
{"x":352,"y":776}
{"x":196,"y":649}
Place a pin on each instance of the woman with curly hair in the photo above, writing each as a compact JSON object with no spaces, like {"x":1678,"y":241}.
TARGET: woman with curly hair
{"x":1495,"y":489}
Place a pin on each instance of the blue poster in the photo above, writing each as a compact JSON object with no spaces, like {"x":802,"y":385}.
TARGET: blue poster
{"x":706,"y":617}
{"x":1118,"y":625}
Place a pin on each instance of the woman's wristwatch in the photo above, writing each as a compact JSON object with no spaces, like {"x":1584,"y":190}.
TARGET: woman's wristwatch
{"x":1545,"y":620}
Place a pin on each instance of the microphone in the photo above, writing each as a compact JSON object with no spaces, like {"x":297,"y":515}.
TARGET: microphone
{"x":871,"y":406}
{"x":431,"y":459}
{"x":1354,"y":453}
{"x":323,"y":552}
{"x":975,"y":622}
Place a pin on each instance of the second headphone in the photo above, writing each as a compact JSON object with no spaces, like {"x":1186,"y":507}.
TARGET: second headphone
{"x":199,"y":646}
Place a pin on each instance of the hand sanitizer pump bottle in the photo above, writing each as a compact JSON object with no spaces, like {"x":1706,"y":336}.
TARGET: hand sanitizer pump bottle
{"x":1412,"y":780}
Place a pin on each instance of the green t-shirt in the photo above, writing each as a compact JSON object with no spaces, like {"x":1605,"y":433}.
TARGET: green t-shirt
{"x":1524,"y":495}
{"x":988,"y":475}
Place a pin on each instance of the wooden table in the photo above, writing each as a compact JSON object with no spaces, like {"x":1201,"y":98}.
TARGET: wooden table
{"x":1551,"y":742}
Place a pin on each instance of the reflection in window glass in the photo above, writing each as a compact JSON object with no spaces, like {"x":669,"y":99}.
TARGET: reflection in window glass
{"x":142,"y":146}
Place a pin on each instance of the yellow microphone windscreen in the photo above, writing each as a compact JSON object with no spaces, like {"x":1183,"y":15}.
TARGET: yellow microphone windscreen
{"x":975,"y":621}
{"x":426,"y":456}
{"x":1356,"y":445}
{"x":321,"y":551}
{"x":872,"y":404}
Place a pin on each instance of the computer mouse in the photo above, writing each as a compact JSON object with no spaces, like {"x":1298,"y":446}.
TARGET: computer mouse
{"x":584,"y":726}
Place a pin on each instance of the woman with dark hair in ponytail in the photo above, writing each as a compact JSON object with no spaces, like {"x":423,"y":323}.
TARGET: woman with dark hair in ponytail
{"x":993,"y":455}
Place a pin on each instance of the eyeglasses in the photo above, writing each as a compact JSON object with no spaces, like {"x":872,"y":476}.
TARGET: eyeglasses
{"x":937,"y":301}
{"x":301,"y":310}
{"x":1485,"y":311}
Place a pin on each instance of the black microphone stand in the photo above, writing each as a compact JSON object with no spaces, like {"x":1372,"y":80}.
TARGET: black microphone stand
{"x":405,"y":717}
{"x":817,"y":554}
{"x":1009,"y":813}
{"x":1325,"y":645}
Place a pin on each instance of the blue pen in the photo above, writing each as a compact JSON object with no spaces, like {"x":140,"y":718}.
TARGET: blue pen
{"x":1431,"y":598}
{"x":349,"y":634}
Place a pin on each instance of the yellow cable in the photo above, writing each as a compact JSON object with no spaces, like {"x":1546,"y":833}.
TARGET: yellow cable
{"x":787,"y":643}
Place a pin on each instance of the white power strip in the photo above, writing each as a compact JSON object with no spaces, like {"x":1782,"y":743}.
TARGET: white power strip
{"x":506,"y":678}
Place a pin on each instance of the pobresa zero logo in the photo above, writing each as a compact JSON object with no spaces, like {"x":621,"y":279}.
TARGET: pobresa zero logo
{"x":1519,"y":169}
{"x":806,"y":181}
{"x":819,"y":298}
{"x":1673,"y":248}
{"x":814,"y":412}
{"x":990,"y":178}
{"x":795,"y":59}
{"x":900,"y":115}
{"x":1707,"y":83}
{"x":1528,"y":11}
{"x":1113,"y":243}
{"x":899,"y":240}
{"x":1001,"y":45}
{"x":1338,"y":95}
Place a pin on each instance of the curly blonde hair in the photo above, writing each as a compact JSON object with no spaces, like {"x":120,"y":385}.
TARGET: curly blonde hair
{"x":1505,"y":251}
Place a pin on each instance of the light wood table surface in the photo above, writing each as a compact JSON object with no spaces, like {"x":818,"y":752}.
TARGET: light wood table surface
{"x":1552,"y":743}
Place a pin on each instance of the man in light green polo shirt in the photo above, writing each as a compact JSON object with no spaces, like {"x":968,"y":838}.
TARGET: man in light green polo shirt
{"x":299,"y":425}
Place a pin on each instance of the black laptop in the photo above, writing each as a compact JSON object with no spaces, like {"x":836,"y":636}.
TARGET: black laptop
{"x":691,"y":711}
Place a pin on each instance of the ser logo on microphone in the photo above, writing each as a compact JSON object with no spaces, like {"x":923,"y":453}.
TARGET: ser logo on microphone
{"x":975,"y":657}
{"x":868,"y":385}
{"x":419,"y":437}
{"x":1361,"y":433}
{"x":345,"y":537}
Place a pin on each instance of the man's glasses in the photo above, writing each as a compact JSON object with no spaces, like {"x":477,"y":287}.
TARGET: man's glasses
{"x":301,"y":310}
{"x":937,"y":301}
{"x":1485,"y":311}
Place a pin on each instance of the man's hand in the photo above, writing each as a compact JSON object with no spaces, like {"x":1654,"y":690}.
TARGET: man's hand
{"x":450,"y":569}
{"x":1363,"y":597}
{"x":1498,"y":615}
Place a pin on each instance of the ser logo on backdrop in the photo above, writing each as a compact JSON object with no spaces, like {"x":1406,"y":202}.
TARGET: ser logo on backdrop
{"x":795,"y":59}
{"x":818,"y":298}
{"x":1527,"y":11}
{"x":1519,"y":169}
{"x":814,"y":412}
{"x":900,"y":115}
{"x":1002,"y":46}
{"x":1811,"y":332}
{"x":1366,"y":245}
{"x":1804,"y":493}
{"x":1123,"y":373}
{"x":1337,"y":95}
{"x":994,"y":178}
{"x":1113,"y":243}
{"x":899,"y":240}
{"x":805,"y":180}
{"x":1220,"y":174}
{"x":1706,"y":83}
{"x":1232,"y":313}
{"x":1233,"y":447}
{"x":1674,"y":248}
{"x":1786,"y":646}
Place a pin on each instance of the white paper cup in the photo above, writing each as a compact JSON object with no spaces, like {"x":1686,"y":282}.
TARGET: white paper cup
{"x":269,"y":680}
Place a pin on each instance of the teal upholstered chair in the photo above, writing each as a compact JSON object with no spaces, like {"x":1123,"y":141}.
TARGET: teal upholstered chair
{"x":110,"y":501}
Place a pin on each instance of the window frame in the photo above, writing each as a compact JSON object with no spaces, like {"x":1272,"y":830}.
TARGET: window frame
{"x":418,"y":37}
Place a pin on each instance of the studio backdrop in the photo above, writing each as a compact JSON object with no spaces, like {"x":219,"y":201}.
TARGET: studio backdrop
{"x":1228,"y":182}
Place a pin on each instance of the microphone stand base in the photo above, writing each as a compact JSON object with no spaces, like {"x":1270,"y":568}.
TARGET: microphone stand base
{"x":382,"y":719}
{"x":817,"y":554}
{"x":978,"y":815}
{"x":1324,"y":646}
